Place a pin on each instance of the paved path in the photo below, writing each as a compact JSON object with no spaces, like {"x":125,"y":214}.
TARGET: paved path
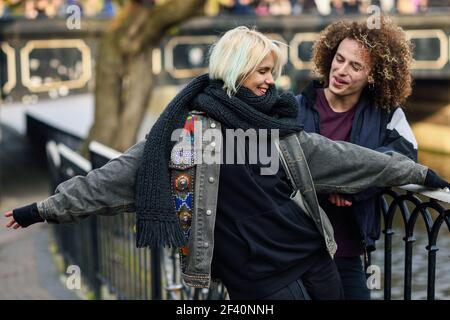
{"x":27,"y":270}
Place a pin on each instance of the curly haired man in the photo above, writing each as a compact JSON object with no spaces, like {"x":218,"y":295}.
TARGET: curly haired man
{"x":365,"y":80}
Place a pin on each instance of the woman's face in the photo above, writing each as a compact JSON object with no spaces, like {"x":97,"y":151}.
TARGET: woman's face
{"x":259,"y":80}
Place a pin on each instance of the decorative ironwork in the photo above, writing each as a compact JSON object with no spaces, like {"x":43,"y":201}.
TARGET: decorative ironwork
{"x":10,"y":83}
{"x":190,"y":52}
{"x":423,"y":41}
{"x":411,"y":207}
{"x":42,"y":66}
{"x":300,"y":46}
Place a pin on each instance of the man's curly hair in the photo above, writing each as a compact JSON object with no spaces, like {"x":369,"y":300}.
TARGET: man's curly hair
{"x":390,"y":53}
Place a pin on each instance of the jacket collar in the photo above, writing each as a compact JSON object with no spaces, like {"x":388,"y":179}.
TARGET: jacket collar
{"x":310,"y":92}
{"x":311,"y":97}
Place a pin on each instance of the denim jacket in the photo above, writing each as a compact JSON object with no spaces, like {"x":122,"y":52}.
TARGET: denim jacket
{"x":312,"y":163}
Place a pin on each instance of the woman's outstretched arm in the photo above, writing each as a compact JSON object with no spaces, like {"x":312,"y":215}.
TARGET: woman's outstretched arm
{"x":108,"y":190}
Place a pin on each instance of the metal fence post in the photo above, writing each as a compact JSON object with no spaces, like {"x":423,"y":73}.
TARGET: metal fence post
{"x":156,"y":273}
{"x":95,"y":281}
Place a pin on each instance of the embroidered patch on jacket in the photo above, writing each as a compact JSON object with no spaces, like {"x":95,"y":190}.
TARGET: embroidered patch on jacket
{"x":183,"y":182}
{"x":183,"y":201}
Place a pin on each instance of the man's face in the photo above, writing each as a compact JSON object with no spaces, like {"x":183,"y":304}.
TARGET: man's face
{"x":350,"y":69}
{"x":260,"y":79}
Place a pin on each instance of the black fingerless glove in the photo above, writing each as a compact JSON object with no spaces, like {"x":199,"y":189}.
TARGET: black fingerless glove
{"x":432,"y":180}
{"x":27,"y":215}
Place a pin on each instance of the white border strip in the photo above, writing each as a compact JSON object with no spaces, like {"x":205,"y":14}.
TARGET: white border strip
{"x":52,"y":151}
{"x":438,"y":194}
{"x":103,"y":150}
{"x":74,"y":157}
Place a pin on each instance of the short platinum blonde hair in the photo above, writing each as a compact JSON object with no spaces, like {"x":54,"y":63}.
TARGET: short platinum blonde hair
{"x":238,"y":53}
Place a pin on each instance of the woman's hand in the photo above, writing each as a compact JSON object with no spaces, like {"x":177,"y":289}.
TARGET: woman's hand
{"x":11,"y":223}
{"x":23,"y":217}
{"x":339,"y":200}
{"x":432,"y":180}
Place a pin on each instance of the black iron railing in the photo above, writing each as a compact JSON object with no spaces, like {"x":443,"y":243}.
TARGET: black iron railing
{"x":413,"y":203}
{"x":104,"y":247}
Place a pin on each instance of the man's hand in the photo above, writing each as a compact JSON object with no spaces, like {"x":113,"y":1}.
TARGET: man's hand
{"x":339,"y":200}
{"x":11,"y":223}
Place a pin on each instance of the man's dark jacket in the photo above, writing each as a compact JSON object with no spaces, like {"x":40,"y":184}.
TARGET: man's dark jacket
{"x":373,"y":128}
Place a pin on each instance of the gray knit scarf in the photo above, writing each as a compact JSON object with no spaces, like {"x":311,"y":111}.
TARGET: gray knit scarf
{"x":157,"y":224}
